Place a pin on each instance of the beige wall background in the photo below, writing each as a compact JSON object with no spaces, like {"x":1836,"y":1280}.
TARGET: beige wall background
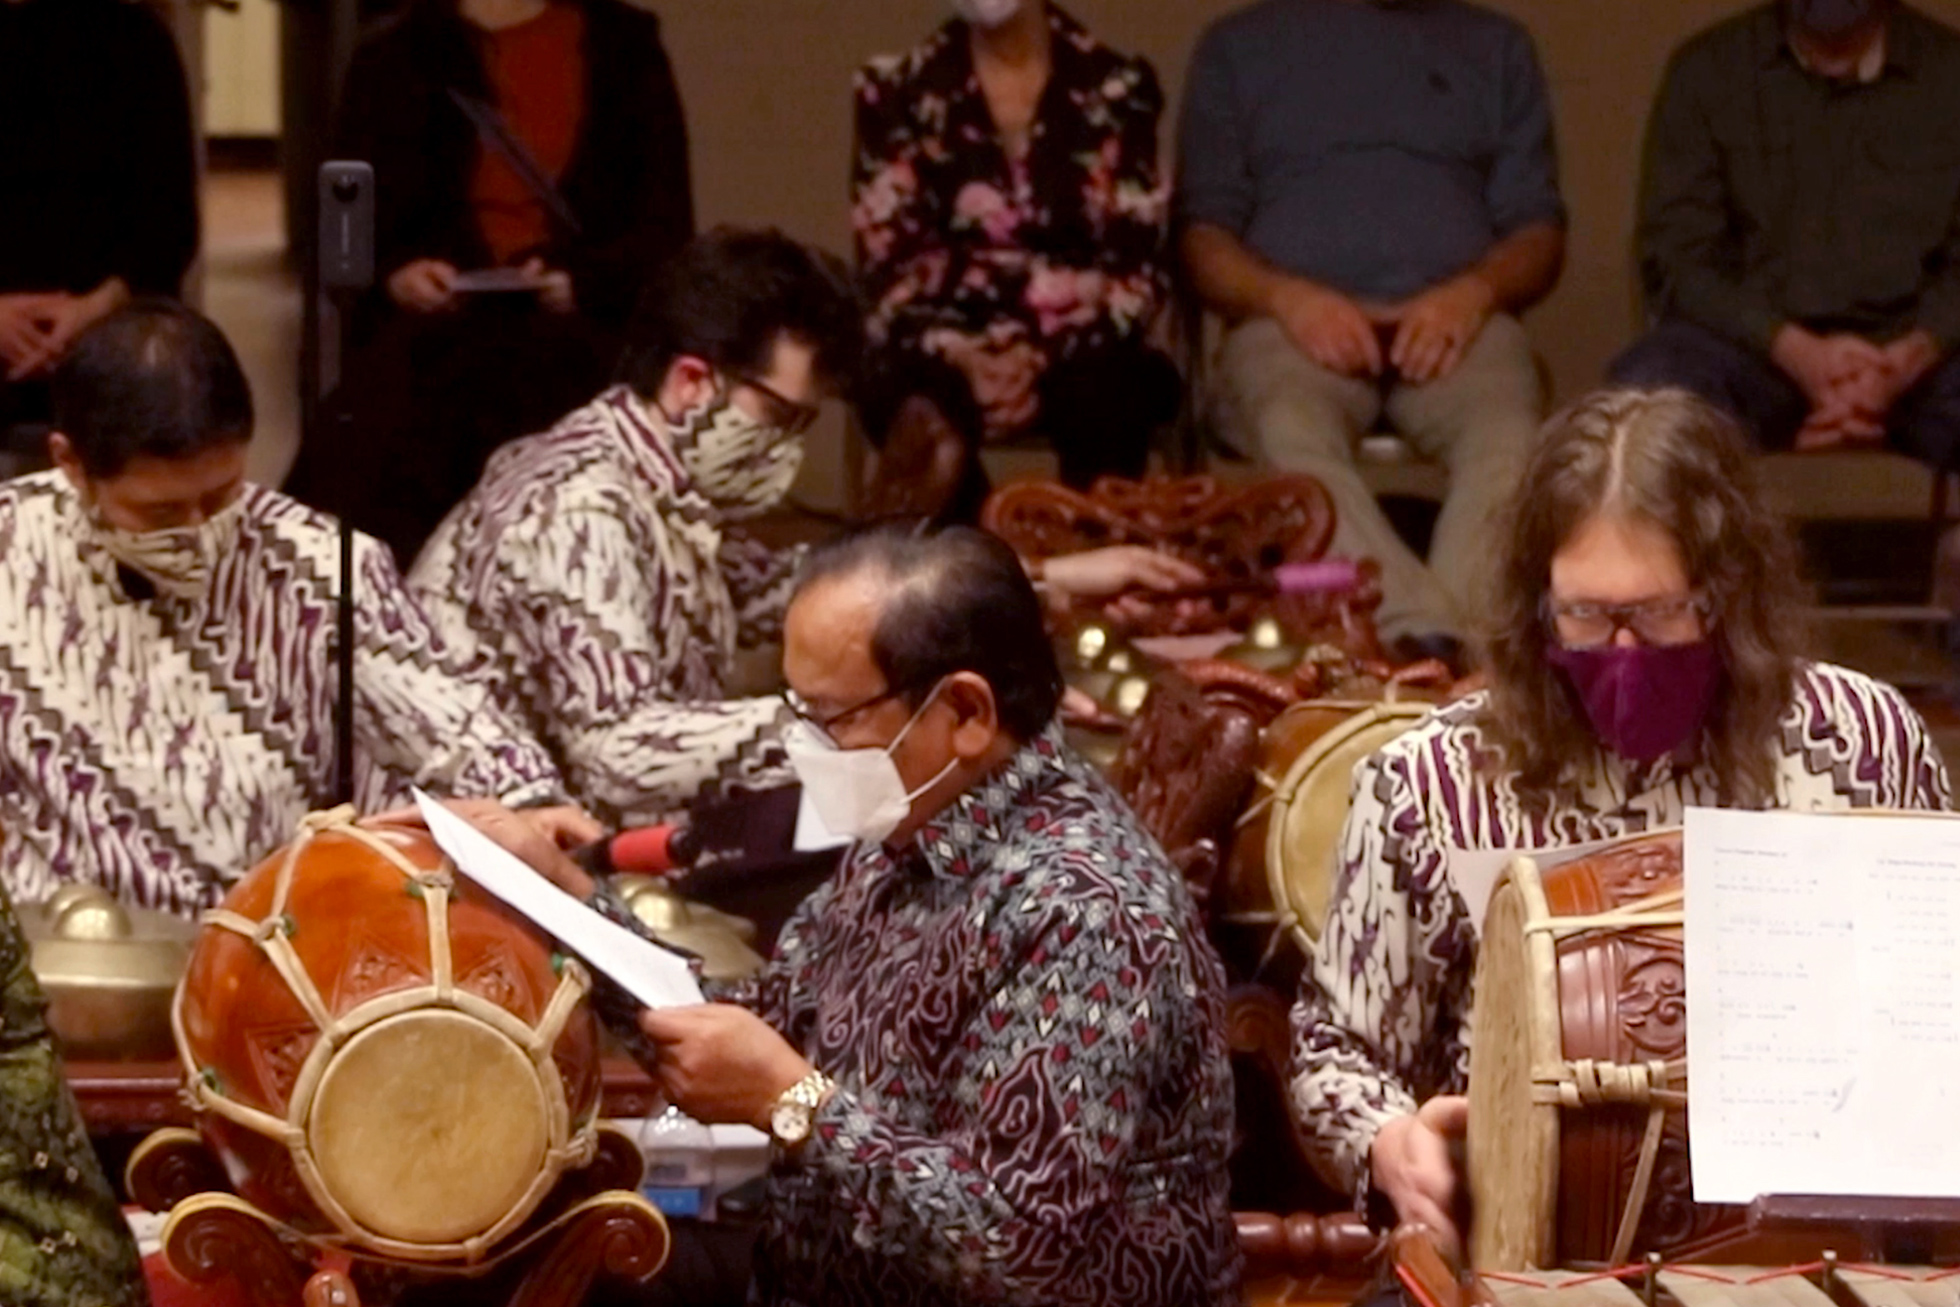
{"x":766,"y":85}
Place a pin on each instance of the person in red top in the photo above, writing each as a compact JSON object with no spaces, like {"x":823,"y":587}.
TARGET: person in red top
{"x":541,"y":140}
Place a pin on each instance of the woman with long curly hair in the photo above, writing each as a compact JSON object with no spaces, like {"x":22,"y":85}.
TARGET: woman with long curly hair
{"x":1644,"y":658}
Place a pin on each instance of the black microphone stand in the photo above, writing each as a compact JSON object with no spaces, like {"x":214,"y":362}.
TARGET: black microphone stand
{"x":345,"y":270}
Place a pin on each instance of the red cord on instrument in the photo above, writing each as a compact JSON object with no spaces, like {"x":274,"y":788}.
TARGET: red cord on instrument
{"x":1414,"y":1287}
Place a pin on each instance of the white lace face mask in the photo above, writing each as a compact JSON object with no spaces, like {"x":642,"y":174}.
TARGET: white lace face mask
{"x":178,"y":561}
{"x":743,"y":466}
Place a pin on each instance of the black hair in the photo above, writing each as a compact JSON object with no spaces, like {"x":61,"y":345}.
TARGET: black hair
{"x":729,"y":294}
{"x":960,"y":602}
{"x":153,"y":378}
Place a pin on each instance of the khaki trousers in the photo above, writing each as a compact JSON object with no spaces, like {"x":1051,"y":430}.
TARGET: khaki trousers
{"x":1479,"y":422}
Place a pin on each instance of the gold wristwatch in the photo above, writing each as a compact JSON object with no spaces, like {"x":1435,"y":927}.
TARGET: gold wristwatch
{"x":789,"y":1120}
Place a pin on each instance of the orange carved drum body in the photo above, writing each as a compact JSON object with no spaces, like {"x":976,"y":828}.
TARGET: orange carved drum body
{"x":383,"y":1054}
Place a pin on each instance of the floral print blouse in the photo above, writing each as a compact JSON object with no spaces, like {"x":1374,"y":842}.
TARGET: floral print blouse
{"x":965,"y":249}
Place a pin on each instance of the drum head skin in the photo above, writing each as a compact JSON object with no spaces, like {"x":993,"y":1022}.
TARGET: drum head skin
{"x":1513,"y":1143}
{"x":429,"y":1159}
{"x":1310,"y":808}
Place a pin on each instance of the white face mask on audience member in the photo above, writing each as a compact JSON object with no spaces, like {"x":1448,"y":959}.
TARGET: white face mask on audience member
{"x":987,"y":13}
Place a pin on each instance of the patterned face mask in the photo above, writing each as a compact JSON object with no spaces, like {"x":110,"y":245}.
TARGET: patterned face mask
{"x":743,"y":466}
{"x":178,"y":561}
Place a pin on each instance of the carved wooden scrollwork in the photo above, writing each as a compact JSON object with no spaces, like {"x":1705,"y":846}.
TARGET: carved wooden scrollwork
{"x":214,"y":1236}
{"x":617,"y":1236}
{"x":170,"y":1166}
{"x":1186,"y":768}
{"x":1238,"y":535}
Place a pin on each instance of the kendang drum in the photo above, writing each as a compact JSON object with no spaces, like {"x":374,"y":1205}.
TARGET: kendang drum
{"x":382,"y":1054}
{"x":1578,"y":1138}
{"x":1287,"y":849}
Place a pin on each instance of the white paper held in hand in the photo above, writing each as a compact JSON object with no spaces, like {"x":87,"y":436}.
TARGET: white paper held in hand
{"x":651,"y":974}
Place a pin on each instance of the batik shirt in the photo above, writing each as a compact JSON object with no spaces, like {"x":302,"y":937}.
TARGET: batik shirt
{"x":959,"y":244}
{"x":63,"y":1241}
{"x":608,"y":601}
{"x":1384,"y":1019}
{"x":160,"y":747}
{"x":1026,"y":1027}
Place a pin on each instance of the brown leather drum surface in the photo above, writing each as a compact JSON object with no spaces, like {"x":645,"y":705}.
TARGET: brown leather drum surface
{"x":1621,"y":998}
{"x":360,"y":932}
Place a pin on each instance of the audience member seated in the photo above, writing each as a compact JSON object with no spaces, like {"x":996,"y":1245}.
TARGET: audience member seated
{"x":167,"y":642}
{"x":1368,"y":193}
{"x":1010,"y":234}
{"x":541,"y":137}
{"x":63,"y":1239}
{"x":991,"y":1049}
{"x":98,"y":193}
{"x":1643,"y":660}
{"x":1800,"y":226}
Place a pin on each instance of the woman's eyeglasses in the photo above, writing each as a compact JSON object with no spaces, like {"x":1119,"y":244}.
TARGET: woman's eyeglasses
{"x":1672,"y":619}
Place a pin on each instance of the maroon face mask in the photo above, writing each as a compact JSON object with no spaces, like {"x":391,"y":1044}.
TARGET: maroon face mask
{"x":1644,"y":700}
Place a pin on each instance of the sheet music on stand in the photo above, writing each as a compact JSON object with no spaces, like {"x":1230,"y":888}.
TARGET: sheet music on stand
{"x":1824,"y":1004}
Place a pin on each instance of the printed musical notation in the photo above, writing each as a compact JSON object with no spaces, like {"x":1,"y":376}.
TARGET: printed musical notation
{"x":1823,"y":1004}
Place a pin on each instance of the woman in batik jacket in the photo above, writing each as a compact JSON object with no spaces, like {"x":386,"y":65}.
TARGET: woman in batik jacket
{"x":1643,"y":660}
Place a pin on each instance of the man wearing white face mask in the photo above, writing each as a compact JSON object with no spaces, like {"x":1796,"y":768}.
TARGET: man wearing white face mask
{"x":167,"y":642}
{"x":600,"y":568}
{"x":990,"y":1049}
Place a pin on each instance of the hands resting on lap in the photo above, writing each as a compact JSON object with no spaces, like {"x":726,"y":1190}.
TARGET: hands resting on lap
{"x":1851,"y":383}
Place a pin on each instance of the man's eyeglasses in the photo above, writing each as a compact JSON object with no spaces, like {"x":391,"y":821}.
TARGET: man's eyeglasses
{"x":1668,"y":620}
{"x":790,"y":415}
{"x":822,"y":723}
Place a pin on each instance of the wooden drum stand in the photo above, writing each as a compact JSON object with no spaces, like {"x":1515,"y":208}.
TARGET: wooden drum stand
{"x":594,"y":1226}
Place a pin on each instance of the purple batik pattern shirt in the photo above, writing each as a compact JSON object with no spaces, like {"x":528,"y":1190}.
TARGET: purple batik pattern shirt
{"x":1384,"y":1017}
{"x":608,"y":596}
{"x":160,"y":747}
{"x":1026,"y":1027}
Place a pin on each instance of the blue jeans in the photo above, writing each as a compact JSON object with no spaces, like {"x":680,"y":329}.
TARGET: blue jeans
{"x":1925,"y":423}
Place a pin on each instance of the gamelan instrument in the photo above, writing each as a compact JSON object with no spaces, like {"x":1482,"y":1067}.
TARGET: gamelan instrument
{"x":383,"y":1056}
{"x":1578,"y":1140}
{"x":1427,"y":1279}
{"x":109,"y":971}
{"x":1286,"y":851}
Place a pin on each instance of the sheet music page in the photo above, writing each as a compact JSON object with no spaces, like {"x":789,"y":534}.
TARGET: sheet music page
{"x":651,"y":974}
{"x":1823,"y":1004}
